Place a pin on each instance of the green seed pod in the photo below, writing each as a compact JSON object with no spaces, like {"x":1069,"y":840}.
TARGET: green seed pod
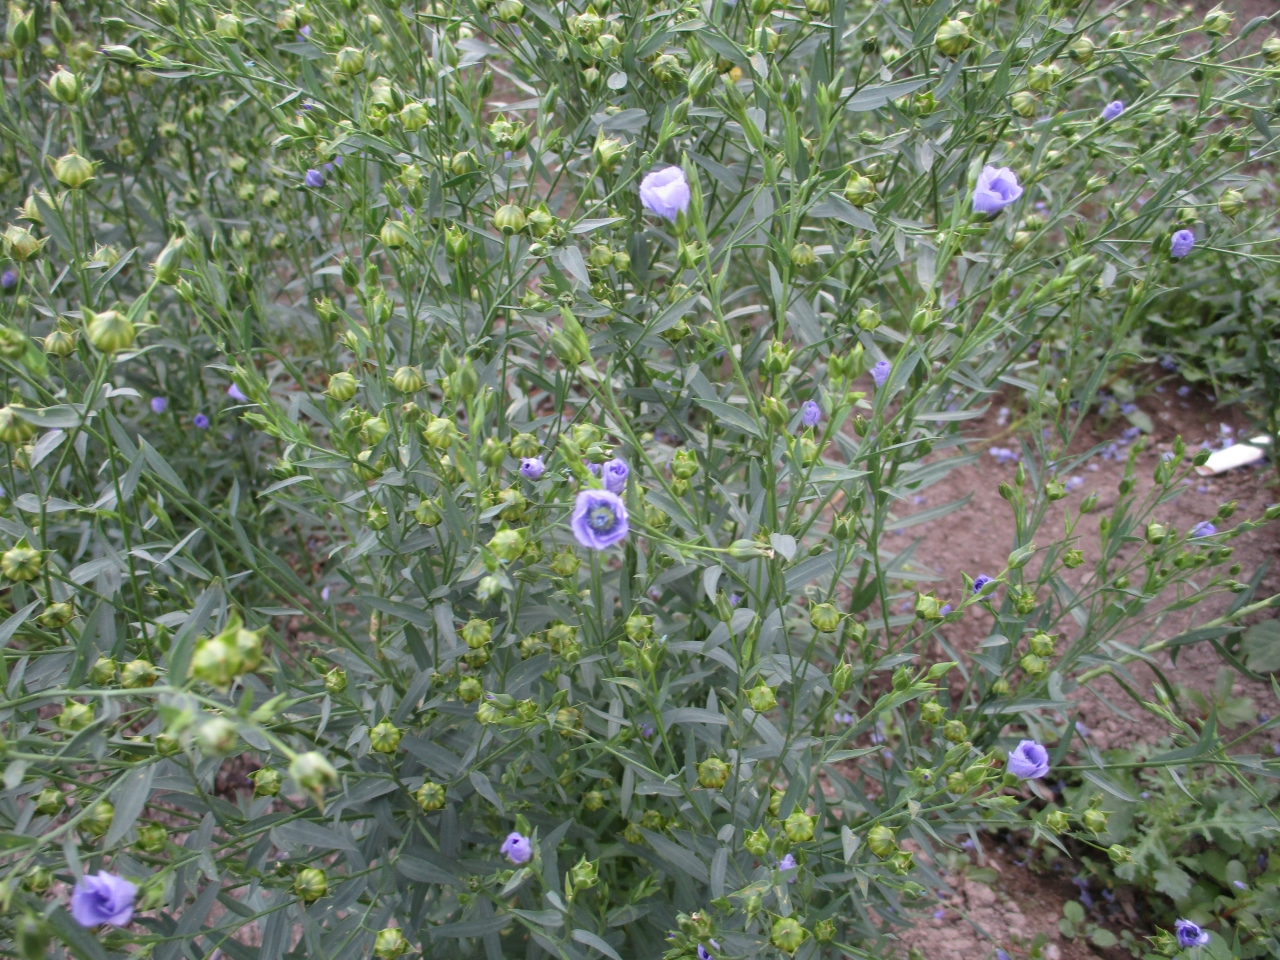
{"x":1081,"y":50}
{"x":217,"y":736}
{"x":152,"y":838}
{"x":802,"y":255}
{"x":60,"y":343}
{"x":20,"y":243}
{"x":230,"y":27}
{"x":311,"y":884}
{"x":1034,"y":666}
{"x":507,"y":544}
{"x":1044,"y":76}
{"x":313,"y":773}
{"x":509,"y":219}
{"x":342,"y":386}
{"x":470,"y":690}
{"x":1095,"y":821}
{"x":395,"y":234}
{"x":931,"y":712}
{"x":1024,"y":103}
{"x":1231,"y":203}
{"x":110,"y":332}
{"x":32,"y":937}
{"x":824,"y":617}
{"x":787,"y":934}
{"x":1041,"y":644}
{"x":216,"y":661}
{"x":266,"y":782}
{"x":952,"y":38}
{"x":430,"y":796}
{"x":762,"y":697}
{"x":1217,"y":22}
{"x":414,"y":116}
{"x":955,"y":731}
{"x":50,"y":802}
{"x":882,"y":841}
{"x":1271,"y":50}
{"x":73,"y":171}
{"x":757,"y":842}
{"x":408,"y":379}
{"x":21,"y":563}
{"x":389,"y":943}
{"x":713,"y":773}
{"x":860,"y":191}
{"x":98,"y":820}
{"x":385,"y":737}
{"x":440,"y":433}
{"x":798,"y":827}
{"x":349,"y":62}
{"x":335,"y":681}
{"x":1057,"y":821}
{"x":38,"y":879}
{"x":138,"y":673}
{"x":427,"y":513}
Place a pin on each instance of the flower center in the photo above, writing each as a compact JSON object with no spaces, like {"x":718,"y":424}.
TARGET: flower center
{"x":601,"y":517}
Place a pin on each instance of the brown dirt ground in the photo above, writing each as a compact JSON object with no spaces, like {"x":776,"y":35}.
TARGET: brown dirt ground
{"x":977,"y":918}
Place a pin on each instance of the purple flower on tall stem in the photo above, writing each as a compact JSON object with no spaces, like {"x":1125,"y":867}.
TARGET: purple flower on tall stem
{"x":665,"y":192}
{"x":1180,"y":244}
{"x":810,"y":414}
{"x":105,"y":898}
{"x":599,"y":519}
{"x":997,"y":188}
{"x":880,"y":372}
{"x":532,"y":468}
{"x":1112,"y":110}
{"x":1203,"y":529}
{"x":980,"y":581}
{"x":235,"y":393}
{"x":614,"y":474}
{"x":704,"y":953}
{"x":517,"y":848}
{"x":314,"y":179}
{"x":1028,"y":761}
{"x":8,"y":279}
{"x":159,"y":404}
{"x":201,"y":421}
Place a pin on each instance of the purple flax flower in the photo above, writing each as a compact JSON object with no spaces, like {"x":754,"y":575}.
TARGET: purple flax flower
{"x":1203,"y":529}
{"x":980,"y":581}
{"x":704,"y":953}
{"x":599,"y":519}
{"x":647,"y":730}
{"x":880,"y":372}
{"x":1112,"y":110}
{"x":1189,"y":934}
{"x":810,"y":414}
{"x":235,"y":393}
{"x":788,"y":863}
{"x":314,"y":179}
{"x":201,"y":421}
{"x":159,"y":404}
{"x":1029,"y":761}
{"x":1180,"y":244}
{"x":613,"y":472}
{"x":665,"y":192}
{"x":532,"y":468}
{"x":304,"y":30}
{"x":997,"y":188}
{"x":8,"y":279}
{"x":105,"y":898}
{"x":517,"y":848}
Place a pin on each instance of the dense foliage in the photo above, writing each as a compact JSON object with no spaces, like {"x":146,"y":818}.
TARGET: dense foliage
{"x":529,"y":532}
